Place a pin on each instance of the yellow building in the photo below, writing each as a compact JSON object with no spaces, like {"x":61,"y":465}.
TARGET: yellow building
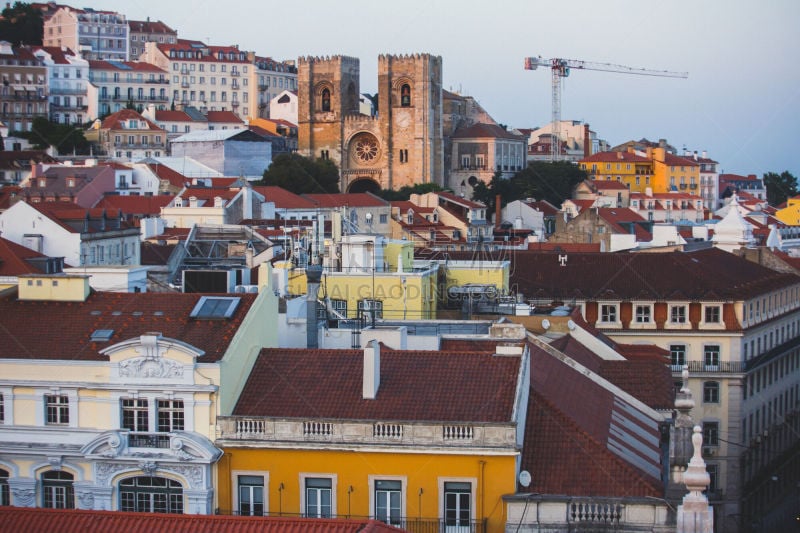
{"x":110,"y":400}
{"x":790,"y":215}
{"x":372,"y":275}
{"x":418,"y":439}
{"x":635,"y":171}
{"x":674,"y":173}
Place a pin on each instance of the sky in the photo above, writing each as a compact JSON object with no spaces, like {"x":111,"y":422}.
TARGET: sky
{"x":740,"y":102}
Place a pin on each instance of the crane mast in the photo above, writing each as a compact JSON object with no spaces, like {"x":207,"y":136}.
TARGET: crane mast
{"x":560,"y":68}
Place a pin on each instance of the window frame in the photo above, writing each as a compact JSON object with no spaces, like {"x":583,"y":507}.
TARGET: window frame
{"x":636,"y":314}
{"x":683,"y":310}
{"x":304,"y":476}
{"x":711,"y":392}
{"x":5,"y":490}
{"x":708,"y":350}
{"x":677,"y":367}
{"x":235,"y":475}
{"x":136,"y":490}
{"x":373,"y":511}
{"x":601,"y":313}
{"x":142,"y":406}
{"x":51,"y":486}
{"x":711,"y":429}
{"x":61,"y":408}
{"x":442,"y":482}
{"x":172,"y":412}
{"x":710,"y":308}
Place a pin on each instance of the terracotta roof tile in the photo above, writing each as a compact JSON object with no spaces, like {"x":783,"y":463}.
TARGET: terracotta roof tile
{"x":482,"y":131}
{"x":13,"y":259}
{"x":167,"y":313}
{"x":80,"y":521}
{"x":414,"y":385}
{"x":223,"y":116}
{"x":346,"y":199}
{"x":612,"y":157}
{"x":284,"y":199}
{"x":136,"y":204}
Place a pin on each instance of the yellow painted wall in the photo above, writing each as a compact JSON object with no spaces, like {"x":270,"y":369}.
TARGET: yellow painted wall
{"x":790,"y":214}
{"x":353,"y":468}
{"x":55,"y":288}
{"x":489,"y":274}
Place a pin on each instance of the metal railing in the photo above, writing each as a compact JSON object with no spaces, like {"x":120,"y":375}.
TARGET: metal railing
{"x":406,"y":523}
{"x":148,"y":440}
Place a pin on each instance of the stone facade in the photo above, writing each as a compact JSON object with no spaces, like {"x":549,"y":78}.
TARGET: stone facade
{"x":402,"y":145}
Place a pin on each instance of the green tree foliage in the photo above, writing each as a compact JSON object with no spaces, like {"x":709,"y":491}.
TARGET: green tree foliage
{"x":65,"y":138}
{"x":405,"y":192}
{"x":301,"y":175}
{"x":779,"y":186}
{"x":21,"y":24}
{"x":552,"y":182}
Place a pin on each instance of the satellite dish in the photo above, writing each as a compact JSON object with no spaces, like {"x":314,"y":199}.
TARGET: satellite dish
{"x":525,"y":478}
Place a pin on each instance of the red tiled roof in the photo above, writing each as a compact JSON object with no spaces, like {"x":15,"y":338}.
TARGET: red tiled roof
{"x":149,"y":26}
{"x":700,"y":275}
{"x":23,"y":519}
{"x":223,"y":116}
{"x":136,"y":204}
{"x":176,"y":179}
{"x":414,"y":385}
{"x":115,"y":121}
{"x":73,"y":217}
{"x":136,"y":66}
{"x":168,"y":115}
{"x":346,"y":199}
{"x":450,"y":197}
{"x":12,"y":259}
{"x":609,"y":184}
{"x":562,"y":247}
{"x":208,"y":193}
{"x":568,"y":460}
{"x":9,"y":195}
{"x":128,"y":314}
{"x":674,"y":160}
{"x":612,"y":157}
{"x":284,"y":199}
{"x":482,"y":131}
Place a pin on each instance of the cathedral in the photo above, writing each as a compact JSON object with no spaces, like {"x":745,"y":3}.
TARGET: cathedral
{"x":401,"y":145}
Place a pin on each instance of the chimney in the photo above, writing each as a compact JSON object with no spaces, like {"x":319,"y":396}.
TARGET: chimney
{"x":587,"y":141}
{"x":705,"y":154}
{"x":695,"y":155}
{"x":372,"y":370}
{"x":313,"y":277}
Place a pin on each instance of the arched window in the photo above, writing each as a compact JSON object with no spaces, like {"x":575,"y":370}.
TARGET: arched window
{"x":57,"y":491}
{"x":145,"y":494}
{"x":4,"y":494}
{"x":405,"y":95}
{"x":326,"y":99}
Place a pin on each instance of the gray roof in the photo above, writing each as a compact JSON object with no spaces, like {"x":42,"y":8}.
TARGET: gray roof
{"x":218,"y":135}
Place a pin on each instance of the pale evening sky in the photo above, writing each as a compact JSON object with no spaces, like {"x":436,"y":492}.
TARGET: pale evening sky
{"x":741,"y":101}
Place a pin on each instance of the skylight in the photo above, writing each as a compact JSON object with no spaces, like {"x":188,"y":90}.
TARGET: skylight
{"x":102,"y":335}
{"x":215,"y":307}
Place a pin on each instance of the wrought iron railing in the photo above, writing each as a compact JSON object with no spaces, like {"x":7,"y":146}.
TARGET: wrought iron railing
{"x":148,"y":440}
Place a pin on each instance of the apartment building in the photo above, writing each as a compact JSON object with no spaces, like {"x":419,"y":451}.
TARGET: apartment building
{"x":94,"y":34}
{"x":72,"y":98}
{"x":128,"y":84}
{"x":23,"y":87}
{"x":144,"y":31}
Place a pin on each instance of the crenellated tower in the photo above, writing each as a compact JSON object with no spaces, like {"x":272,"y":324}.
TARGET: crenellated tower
{"x":328,"y":92}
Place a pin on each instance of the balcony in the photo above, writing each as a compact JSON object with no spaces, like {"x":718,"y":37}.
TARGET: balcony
{"x":495,"y":436}
{"x":64,"y":90}
{"x":63,"y":107}
{"x":235,"y":73}
{"x":162,"y":80}
{"x":148,"y":440}
{"x":263,"y":87}
{"x":683,"y":186}
{"x":235,"y":86}
{"x":731,"y":367}
{"x":405,"y":523}
{"x":693,"y":186}
{"x":185,"y":84}
{"x":235,"y":103}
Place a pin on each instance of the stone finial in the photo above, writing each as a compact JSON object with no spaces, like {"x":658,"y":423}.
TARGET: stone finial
{"x":694,"y":514}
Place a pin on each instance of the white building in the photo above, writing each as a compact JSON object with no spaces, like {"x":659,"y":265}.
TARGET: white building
{"x":283,"y":106}
{"x":72,"y":98}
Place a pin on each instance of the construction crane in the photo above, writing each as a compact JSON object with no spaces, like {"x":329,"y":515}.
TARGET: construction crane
{"x":561,"y":69}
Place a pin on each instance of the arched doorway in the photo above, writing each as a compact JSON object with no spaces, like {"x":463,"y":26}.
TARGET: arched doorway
{"x":364,"y":185}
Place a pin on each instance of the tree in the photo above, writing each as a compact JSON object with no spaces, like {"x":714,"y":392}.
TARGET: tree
{"x":540,"y":180}
{"x":300,"y":175}
{"x":405,"y":192}
{"x":21,"y":24}
{"x":66,"y":139}
{"x":779,"y":187}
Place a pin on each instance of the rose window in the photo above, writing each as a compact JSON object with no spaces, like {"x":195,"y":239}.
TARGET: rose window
{"x":366,"y":149}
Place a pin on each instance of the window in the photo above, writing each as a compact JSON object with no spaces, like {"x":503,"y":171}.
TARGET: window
{"x":251,"y":495}
{"x":678,"y":314}
{"x":608,"y":313}
{"x":643,"y":314}
{"x":57,"y":408}
{"x":388,"y":501}
{"x":170,"y":415}
{"x":370,"y":309}
{"x":711,"y":392}
{"x":57,"y":491}
{"x":319,"y":493}
{"x":145,"y":494}
{"x":5,"y":498}
{"x":677,"y":354}
{"x":713,"y":474}
{"x":326,"y":99}
{"x":710,"y":433}
{"x":214,"y":307}
{"x":405,"y":95}
{"x":457,"y":504}
{"x":384,"y":218}
{"x":135,"y":415}
{"x":711,"y":357}
{"x":712,"y":314}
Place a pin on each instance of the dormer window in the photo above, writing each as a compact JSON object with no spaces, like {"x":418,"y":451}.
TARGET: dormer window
{"x":42,"y":182}
{"x":410,"y":217}
{"x":70,"y":182}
